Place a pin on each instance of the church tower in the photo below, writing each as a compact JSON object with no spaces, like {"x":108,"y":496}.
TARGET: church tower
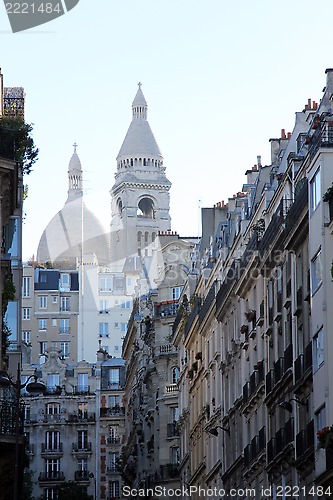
{"x":140,"y":198}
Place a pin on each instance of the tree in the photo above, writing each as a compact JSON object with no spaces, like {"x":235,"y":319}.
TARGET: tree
{"x":16,"y":142}
{"x":73,"y":491}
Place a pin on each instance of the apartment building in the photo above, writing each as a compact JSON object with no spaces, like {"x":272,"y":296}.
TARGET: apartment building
{"x":74,"y":430}
{"x":50,"y":310}
{"x":151,"y":449}
{"x":255,"y":384}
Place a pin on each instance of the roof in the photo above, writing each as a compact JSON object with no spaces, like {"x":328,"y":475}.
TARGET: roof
{"x":139,"y":139}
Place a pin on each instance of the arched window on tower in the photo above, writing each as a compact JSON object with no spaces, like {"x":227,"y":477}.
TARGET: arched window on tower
{"x":175,"y":374}
{"x":119,"y":205}
{"x":146,"y":208}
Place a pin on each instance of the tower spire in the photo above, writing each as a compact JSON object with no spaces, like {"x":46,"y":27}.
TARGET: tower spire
{"x":139,"y":105}
{"x":74,"y":176}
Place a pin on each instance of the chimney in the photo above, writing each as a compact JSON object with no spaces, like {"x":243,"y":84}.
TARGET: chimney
{"x":255,"y":168}
{"x":283,"y":133}
{"x":329,"y":81}
{"x":259,"y":161}
{"x":289,"y":135}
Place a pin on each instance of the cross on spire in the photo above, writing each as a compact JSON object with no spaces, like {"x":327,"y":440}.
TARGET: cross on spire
{"x":139,"y":85}
{"x":75,"y":146}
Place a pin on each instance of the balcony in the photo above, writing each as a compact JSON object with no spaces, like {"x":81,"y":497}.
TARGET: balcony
{"x":52,"y":390}
{"x":225,"y":288}
{"x":269,"y":381}
{"x":322,"y":138}
{"x":81,"y":447}
{"x":167,"y":349}
{"x":166,"y":308}
{"x":81,"y":417}
{"x":273,"y":229}
{"x":112,"y":470}
{"x":300,"y":203}
{"x":172,"y":430}
{"x":278,"y":313}
{"x":193,"y":315}
{"x":261,"y":318}
{"x":256,"y":446}
{"x":51,"y":450}
{"x":169,"y":471}
{"x":82,"y":389}
{"x":51,"y":476}
{"x":305,"y":441}
{"x":278,"y":370}
{"x":113,"y":440}
{"x":171,"y":389}
{"x":210,"y":297}
{"x":288,"y":357}
{"x":114,"y":411}
{"x":82,"y":476}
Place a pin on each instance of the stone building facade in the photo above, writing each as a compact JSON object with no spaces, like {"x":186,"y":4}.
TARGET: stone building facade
{"x":255,"y":386}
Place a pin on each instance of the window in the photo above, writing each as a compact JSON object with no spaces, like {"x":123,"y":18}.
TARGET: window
{"x":64,"y":325}
{"x":123,"y":327}
{"x":174,"y":414}
{"x":65,"y":304}
{"x":42,"y":324}
{"x":82,"y":465}
{"x":26,"y":336}
{"x":114,"y":376}
{"x":53,"y":409}
{"x":316,"y":272}
{"x":105,"y":284}
{"x":176,"y":292}
{"x":175,"y":455}
{"x":113,"y":460}
{"x":114,"y":490}
{"x":64,"y":280}
{"x":103,"y":306}
{"x":83,"y":411}
{"x":53,"y":380}
{"x":175,"y":374}
{"x":54,"y":322}
{"x":26,"y":313}
{"x":114,"y":400}
{"x":52,"y":468}
{"x":83,"y":382}
{"x":26,"y":286}
{"x":43,"y":278}
{"x":315,"y":196}
{"x":54,"y":299}
{"x":320,"y":418}
{"x":104,"y":329}
{"x":52,"y":440}
{"x":318,"y":349}
{"x":42,"y":347}
{"x":82,"y":439}
{"x":116,"y":325}
{"x":43,"y":302}
{"x":64,"y":347}
{"x":50,"y":494}
{"x":126,"y":305}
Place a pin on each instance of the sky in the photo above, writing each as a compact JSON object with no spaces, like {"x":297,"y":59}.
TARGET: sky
{"x":220,"y":78}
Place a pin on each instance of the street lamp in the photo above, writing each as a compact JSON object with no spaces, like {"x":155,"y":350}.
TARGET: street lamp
{"x":286,"y":405}
{"x":214,"y":432}
{"x":34,"y":387}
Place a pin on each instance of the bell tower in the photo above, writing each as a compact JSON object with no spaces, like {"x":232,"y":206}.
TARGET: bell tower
{"x":140,"y":199}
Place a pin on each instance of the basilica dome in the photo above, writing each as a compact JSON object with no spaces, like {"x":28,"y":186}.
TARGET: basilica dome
{"x":74,"y":231}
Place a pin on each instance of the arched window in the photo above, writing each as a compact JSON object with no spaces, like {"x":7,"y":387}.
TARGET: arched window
{"x":146,"y":208}
{"x":175,"y":374}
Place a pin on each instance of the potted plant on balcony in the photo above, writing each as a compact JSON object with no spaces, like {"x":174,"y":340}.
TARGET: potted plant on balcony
{"x":198,"y":355}
{"x":251,"y":315}
{"x":244,"y":329}
{"x":195,"y":366}
{"x":190,"y":374}
{"x":325,"y":437}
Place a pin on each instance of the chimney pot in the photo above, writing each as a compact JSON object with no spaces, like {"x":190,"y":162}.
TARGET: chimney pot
{"x":289,"y":135}
{"x":283,"y":133}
